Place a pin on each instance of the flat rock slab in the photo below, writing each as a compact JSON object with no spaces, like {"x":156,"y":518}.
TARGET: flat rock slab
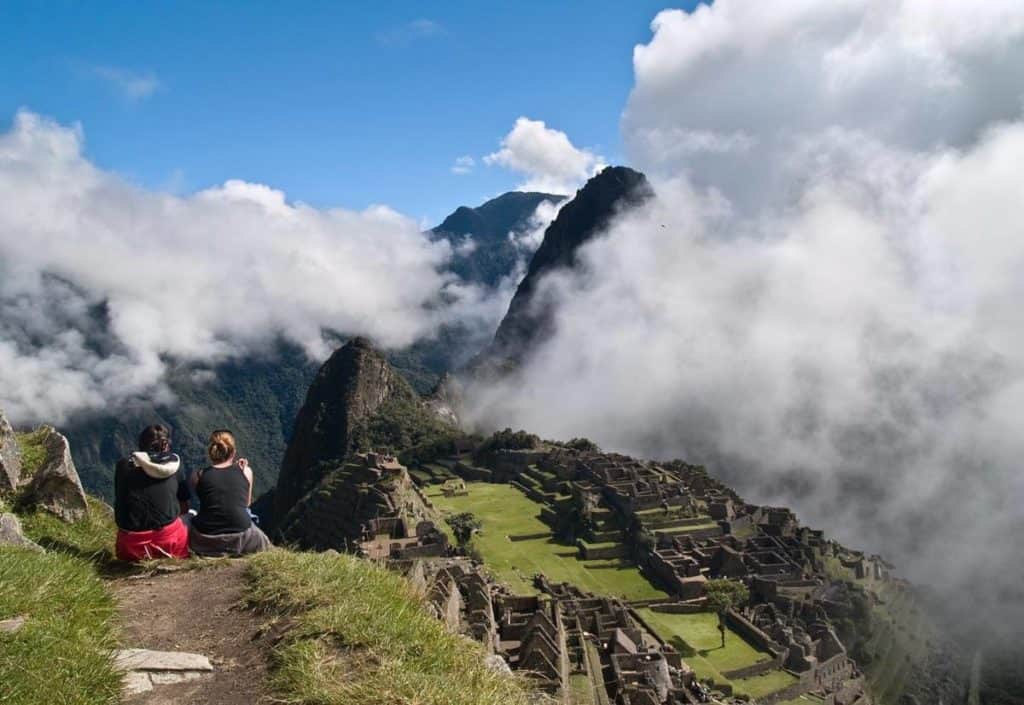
{"x":9,"y":626}
{"x":145,"y":668}
{"x":148,"y":660}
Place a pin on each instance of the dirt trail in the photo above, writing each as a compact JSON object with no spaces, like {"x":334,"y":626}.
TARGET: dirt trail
{"x":197,"y":611}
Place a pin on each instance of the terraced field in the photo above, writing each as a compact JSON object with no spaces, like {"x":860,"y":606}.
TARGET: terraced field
{"x":696,"y":636}
{"x":507,"y":513}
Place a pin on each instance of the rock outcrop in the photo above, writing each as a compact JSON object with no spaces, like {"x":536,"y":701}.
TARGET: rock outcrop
{"x":55,"y":486}
{"x":529,"y":320}
{"x":10,"y":457}
{"x":351,"y":386}
{"x":11,"y":534}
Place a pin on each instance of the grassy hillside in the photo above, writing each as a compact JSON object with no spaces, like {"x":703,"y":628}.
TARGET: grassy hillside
{"x":359,"y":634}
{"x":63,"y":653}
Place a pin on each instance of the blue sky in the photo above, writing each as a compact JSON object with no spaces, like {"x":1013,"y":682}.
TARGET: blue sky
{"x":338,"y":104}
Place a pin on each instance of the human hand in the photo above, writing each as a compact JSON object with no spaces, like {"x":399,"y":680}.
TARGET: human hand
{"x":243,"y":463}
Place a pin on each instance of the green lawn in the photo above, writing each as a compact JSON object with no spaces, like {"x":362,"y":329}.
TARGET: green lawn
{"x":766,"y":684}
{"x":697,"y":638}
{"x":505,"y":511}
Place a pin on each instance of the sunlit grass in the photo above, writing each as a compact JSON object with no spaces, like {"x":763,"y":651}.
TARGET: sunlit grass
{"x":359,"y":634}
{"x":507,"y":512}
{"x":63,"y":653}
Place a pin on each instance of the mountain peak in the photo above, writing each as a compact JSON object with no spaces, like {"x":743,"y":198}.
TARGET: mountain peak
{"x":614,"y":189}
{"x":489,"y":224}
{"x":354,"y":383}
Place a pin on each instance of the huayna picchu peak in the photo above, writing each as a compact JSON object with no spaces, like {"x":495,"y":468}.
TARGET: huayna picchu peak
{"x":357,"y":400}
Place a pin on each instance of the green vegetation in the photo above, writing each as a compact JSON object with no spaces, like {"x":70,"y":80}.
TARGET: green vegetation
{"x":359,"y":634}
{"x":401,"y":424}
{"x":899,"y":635}
{"x":32,"y":451}
{"x":63,"y":653}
{"x":724,"y":595}
{"x":764,"y":684}
{"x":507,"y":440}
{"x":583,"y":444}
{"x":91,"y":539}
{"x":464,"y":525}
{"x":697,"y":638}
{"x":510,"y":513}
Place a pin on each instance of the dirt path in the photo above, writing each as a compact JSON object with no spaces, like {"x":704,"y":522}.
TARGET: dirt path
{"x":197,"y":611}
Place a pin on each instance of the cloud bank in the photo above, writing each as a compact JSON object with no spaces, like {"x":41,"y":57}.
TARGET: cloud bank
{"x":546,"y":157}
{"x":822,"y":300}
{"x":102,"y":283}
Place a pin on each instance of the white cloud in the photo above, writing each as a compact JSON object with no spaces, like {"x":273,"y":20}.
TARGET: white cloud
{"x":410,"y":32}
{"x":131,"y":85}
{"x":823,"y":299}
{"x":530,"y":238}
{"x":102,"y":282}
{"x":765,"y":76}
{"x":463,"y":164}
{"x":546,"y":157}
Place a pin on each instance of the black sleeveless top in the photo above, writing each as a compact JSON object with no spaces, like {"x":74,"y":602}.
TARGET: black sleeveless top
{"x":223,"y":501}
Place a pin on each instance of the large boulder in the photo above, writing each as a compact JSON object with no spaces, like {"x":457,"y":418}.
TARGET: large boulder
{"x":55,"y":486}
{"x":10,"y":457}
{"x":11,"y":535}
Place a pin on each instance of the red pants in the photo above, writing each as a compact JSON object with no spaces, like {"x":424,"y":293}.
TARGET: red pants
{"x":170,"y":541}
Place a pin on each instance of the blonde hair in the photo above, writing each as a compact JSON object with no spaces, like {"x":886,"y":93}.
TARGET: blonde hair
{"x":221,"y":447}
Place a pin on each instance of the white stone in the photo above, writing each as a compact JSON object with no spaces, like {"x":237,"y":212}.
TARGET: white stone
{"x":165,"y":677}
{"x":147,"y":660}
{"x":9,"y":626}
{"x":136,"y":682}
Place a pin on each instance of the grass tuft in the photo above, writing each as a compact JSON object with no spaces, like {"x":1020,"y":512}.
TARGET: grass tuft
{"x":63,"y":654}
{"x":91,"y":538}
{"x":33,"y":452}
{"x":359,"y":634}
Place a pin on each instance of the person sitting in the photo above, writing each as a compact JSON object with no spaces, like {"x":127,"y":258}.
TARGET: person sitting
{"x":150,"y":495}
{"x":224,"y":526}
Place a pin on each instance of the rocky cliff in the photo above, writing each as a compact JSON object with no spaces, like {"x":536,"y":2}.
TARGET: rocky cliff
{"x":529,"y":320}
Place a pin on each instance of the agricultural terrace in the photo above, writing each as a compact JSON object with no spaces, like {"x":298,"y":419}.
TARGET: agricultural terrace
{"x":697,"y":638}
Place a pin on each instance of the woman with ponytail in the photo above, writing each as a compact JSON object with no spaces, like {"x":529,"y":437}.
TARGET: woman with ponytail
{"x":224,"y":526}
{"x":150,"y":495}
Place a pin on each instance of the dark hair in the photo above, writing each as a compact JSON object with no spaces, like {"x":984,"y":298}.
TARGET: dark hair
{"x":221,"y":447}
{"x":155,"y":439}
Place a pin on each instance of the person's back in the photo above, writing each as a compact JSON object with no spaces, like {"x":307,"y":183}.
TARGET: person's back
{"x":223,"y":495}
{"x":150,"y":494}
{"x":223,"y":526}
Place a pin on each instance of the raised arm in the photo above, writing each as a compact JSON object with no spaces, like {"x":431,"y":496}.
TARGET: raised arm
{"x":243,"y":463}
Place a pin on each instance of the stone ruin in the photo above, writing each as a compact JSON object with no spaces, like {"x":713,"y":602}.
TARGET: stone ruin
{"x":559,"y":636}
{"x":683,"y":528}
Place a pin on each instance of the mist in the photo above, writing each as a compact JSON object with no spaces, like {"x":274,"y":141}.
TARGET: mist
{"x":821,"y":303}
{"x":103,"y":283}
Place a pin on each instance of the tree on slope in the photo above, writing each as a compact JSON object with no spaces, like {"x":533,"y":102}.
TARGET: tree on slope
{"x":724,"y":595}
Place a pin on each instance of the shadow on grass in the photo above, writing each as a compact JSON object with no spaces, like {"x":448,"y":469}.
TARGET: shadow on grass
{"x":684,"y":649}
